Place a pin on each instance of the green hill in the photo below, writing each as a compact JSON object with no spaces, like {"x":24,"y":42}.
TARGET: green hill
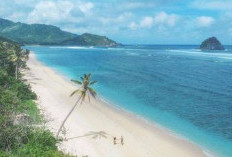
{"x":87,"y":39}
{"x":34,"y":33}
{"x":41,"y":34}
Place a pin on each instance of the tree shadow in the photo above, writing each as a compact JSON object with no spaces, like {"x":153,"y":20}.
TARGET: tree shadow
{"x":92,"y":134}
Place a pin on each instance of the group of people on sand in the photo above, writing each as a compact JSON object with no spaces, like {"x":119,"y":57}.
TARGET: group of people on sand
{"x":121,"y":140}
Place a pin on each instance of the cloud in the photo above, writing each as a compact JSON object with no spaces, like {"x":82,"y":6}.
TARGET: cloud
{"x":49,"y":11}
{"x":85,"y":7}
{"x":124,"y":17}
{"x":133,"y":26}
{"x":146,"y":22}
{"x":204,"y":21}
{"x":56,"y":12}
{"x":161,"y":20}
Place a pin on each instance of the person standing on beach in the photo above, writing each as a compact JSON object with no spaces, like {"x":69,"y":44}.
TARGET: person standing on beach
{"x":115,"y":140}
{"x":122,"y":140}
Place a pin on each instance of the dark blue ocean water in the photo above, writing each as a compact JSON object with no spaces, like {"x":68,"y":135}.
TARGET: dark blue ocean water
{"x":179,"y":87}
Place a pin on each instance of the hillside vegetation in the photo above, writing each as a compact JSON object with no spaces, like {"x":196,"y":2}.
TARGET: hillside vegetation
{"x":34,"y":33}
{"x":22,"y":133}
{"x":40,"y":34}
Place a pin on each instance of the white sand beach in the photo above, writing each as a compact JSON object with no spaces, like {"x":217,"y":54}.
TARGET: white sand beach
{"x":91,"y":127}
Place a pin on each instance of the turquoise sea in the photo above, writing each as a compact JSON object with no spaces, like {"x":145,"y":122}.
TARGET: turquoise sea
{"x":179,"y":87}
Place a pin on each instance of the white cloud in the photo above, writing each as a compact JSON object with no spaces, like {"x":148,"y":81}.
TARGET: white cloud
{"x":52,"y":12}
{"x":146,"y":22}
{"x":133,"y":26}
{"x":204,"y":21}
{"x":124,"y":17}
{"x":161,"y":20}
{"x":49,"y":11}
{"x":85,"y":7}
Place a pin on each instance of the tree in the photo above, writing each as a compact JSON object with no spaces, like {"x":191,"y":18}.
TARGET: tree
{"x":83,"y":91}
{"x":19,"y":58}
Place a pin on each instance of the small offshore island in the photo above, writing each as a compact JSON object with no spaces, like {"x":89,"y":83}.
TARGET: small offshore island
{"x":211,"y":43}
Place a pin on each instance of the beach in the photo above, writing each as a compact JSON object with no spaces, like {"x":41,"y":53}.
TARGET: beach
{"x":92,"y":126}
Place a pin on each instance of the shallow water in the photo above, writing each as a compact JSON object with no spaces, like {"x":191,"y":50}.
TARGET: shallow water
{"x":184,"y":89}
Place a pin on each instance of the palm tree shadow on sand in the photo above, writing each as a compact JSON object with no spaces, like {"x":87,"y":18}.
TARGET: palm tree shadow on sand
{"x":92,"y":134}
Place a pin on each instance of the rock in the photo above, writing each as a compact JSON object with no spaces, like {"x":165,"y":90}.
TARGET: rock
{"x":211,"y":44}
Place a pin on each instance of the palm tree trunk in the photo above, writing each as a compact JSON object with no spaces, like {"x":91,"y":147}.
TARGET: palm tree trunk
{"x":68,"y":116}
{"x":16,"y":71}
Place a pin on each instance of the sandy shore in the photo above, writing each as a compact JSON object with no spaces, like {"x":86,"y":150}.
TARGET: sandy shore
{"x":91,"y":127}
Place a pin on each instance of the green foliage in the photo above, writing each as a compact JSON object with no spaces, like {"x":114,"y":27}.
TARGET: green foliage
{"x":20,"y":135}
{"x":23,"y":90}
{"x":3,"y":154}
{"x":41,"y":144}
{"x":31,"y":109}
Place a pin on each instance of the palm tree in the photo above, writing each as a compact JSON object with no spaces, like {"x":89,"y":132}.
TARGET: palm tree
{"x":83,"y":91}
{"x":18,"y":57}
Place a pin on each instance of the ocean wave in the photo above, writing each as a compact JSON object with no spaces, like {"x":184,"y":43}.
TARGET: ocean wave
{"x":127,"y":49}
{"x":208,"y":153}
{"x":205,"y":54}
{"x":78,"y":47}
{"x":71,"y":47}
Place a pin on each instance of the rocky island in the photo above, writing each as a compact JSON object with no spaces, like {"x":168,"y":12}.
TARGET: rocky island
{"x":211,"y":44}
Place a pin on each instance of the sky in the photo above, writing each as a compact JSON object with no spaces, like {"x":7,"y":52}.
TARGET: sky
{"x":130,"y":21}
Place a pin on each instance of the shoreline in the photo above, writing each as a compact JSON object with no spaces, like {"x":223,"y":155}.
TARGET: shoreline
{"x":146,"y":122}
{"x":151,"y":138}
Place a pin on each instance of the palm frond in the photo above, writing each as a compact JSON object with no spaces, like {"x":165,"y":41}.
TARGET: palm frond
{"x":85,"y":90}
{"x":89,"y":76}
{"x":77,"y":82}
{"x":93,"y":82}
{"x":83,"y":96}
{"x":75,"y":92}
{"x":82,"y":79}
{"x":92,"y":92}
